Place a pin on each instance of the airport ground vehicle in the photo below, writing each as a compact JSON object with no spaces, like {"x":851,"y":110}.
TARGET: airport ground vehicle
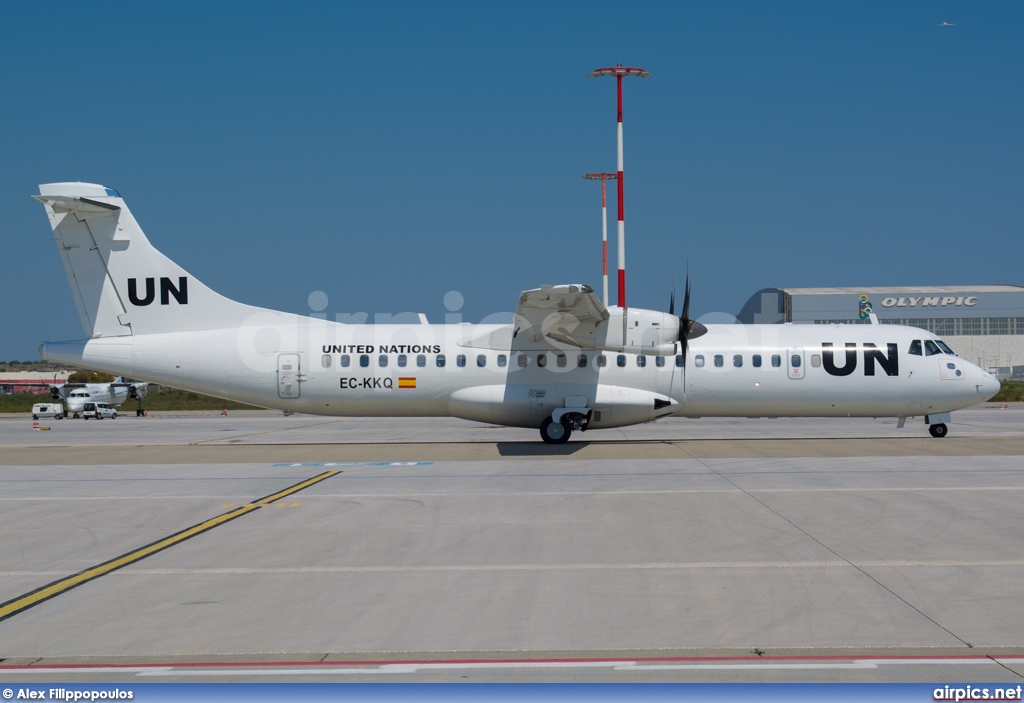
{"x":54,"y":410}
{"x":98,"y":411}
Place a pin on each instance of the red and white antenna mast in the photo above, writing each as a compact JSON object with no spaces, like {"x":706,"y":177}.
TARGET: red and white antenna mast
{"x":620,"y":72}
{"x":604,"y":178}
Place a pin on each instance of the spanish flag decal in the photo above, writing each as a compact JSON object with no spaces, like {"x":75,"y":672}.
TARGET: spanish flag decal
{"x":407,"y":382}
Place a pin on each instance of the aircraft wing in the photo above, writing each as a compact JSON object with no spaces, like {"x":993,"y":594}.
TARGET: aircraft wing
{"x":558,"y":317}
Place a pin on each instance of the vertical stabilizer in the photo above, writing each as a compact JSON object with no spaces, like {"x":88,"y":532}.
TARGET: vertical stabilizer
{"x":122,"y":285}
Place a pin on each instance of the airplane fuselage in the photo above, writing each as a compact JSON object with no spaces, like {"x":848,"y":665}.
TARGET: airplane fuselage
{"x":327,"y":368}
{"x":567,"y":362}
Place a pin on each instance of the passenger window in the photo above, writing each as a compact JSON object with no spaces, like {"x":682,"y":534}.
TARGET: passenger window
{"x":345,"y":360}
{"x":641,"y":360}
{"x":816,"y":360}
{"x":737,"y":360}
{"x":620,"y":360}
{"x":522,"y":360}
{"x":481,"y":360}
{"x":776,"y":361}
{"x":440,"y":360}
{"x":402,"y":360}
{"x":542,"y":360}
{"x":756,"y":361}
{"x":560,"y":361}
{"x":421,"y":360}
{"x":679,"y":361}
{"x":581,"y":362}
{"x":794,"y":361}
{"x":931,"y":348}
{"x":382,"y":360}
{"x":325,"y":361}
{"x":502,"y":360}
{"x":659,"y":361}
{"x":719,"y":361}
{"x":698,"y":360}
{"x":364,"y":360}
{"x":915,"y":348}
{"x":460,"y":360}
{"x":602,"y":361}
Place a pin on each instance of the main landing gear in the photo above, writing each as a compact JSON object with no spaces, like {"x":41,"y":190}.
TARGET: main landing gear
{"x":555,"y":432}
{"x":939,"y":430}
{"x":558,"y":431}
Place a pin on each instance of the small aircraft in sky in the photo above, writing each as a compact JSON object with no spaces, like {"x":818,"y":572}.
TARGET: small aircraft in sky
{"x":946,"y":24}
{"x":566,"y":363}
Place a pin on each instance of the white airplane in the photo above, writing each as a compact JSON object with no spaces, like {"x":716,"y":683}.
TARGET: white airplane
{"x":946,"y":24}
{"x":567,"y":363}
{"x":78,"y":394}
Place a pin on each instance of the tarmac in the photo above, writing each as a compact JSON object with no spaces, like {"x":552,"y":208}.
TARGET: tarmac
{"x":262,"y":547}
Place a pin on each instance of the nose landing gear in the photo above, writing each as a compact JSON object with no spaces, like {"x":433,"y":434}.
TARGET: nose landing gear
{"x":937,"y":424}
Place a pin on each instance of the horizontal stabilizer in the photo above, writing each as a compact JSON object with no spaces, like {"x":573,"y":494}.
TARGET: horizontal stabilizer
{"x":83,"y":206}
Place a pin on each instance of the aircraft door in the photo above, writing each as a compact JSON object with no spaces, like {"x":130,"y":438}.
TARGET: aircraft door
{"x":795,"y":362}
{"x":288,"y":376}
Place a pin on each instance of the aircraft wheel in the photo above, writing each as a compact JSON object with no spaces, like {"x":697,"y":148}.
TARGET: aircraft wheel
{"x":554,"y":432}
{"x":939,"y":430}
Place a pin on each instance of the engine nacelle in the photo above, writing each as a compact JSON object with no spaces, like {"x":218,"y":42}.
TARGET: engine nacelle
{"x":637,"y":331}
{"x":631,"y":331}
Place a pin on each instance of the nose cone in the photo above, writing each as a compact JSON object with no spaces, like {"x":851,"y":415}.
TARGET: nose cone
{"x":989,"y":385}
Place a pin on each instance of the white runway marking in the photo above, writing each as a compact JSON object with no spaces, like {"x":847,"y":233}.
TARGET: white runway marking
{"x":398,"y":668}
{"x":665,"y":566}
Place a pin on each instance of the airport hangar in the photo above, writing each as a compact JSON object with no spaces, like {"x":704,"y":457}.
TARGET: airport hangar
{"x":983,"y":324}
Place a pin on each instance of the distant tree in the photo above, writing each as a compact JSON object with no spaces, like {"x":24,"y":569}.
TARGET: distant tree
{"x":90,"y":377}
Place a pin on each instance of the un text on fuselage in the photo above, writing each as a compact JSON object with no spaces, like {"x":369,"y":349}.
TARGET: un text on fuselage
{"x":889,"y":362}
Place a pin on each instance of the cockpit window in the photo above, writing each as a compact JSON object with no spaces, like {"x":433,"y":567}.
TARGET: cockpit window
{"x":945,"y":347}
{"x":931,"y":348}
{"x":915,"y":348}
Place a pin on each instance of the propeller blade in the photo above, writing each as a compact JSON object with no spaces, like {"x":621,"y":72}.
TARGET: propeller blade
{"x":688,"y":329}
{"x":686,"y":299}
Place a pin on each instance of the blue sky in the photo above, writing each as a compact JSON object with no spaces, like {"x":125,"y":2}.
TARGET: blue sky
{"x":386,"y":153}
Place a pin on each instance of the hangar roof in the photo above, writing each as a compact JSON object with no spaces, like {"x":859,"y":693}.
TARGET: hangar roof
{"x":905,"y":290}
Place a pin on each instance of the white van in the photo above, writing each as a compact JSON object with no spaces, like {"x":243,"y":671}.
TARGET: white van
{"x":54,"y":410}
{"x":98,"y":411}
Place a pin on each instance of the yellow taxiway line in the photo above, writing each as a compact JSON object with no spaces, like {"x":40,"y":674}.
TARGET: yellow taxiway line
{"x":17,"y":605}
